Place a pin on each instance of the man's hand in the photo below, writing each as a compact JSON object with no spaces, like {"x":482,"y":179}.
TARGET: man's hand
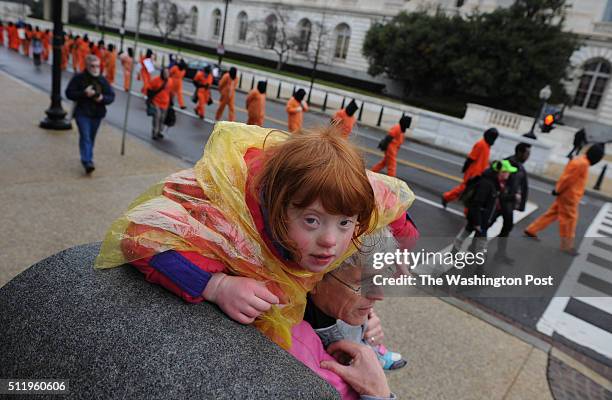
{"x":373,"y":334}
{"x":89,"y":91}
{"x":242,"y":299}
{"x":99,"y":98}
{"x":364,"y":373}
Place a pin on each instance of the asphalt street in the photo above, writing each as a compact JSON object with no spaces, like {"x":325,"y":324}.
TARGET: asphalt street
{"x":428,"y":172}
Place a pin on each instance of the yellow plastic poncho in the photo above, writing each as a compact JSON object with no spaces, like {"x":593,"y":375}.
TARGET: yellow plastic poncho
{"x":220,"y":226}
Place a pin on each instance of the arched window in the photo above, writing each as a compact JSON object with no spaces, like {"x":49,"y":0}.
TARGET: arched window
{"x":194,"y":20}
{"x":216,"y":22}
{"x":343,"y":37}
{"x":595,"y":76}
{"x":271,"y":23}
{"x":304,"y":29}
{"x":243,"y":26}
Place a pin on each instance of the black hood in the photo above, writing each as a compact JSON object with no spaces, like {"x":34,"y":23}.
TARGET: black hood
{"x":262,"y":86}
{"x":233,"y":72}
{"x":149,"y":53}
{"x":299,"y":94}
{"x":405,"y":122}
{"x":595,"y":153}
{"x":207,"y":69}
{"x":352,"y":108}
{"x":490,"y":136}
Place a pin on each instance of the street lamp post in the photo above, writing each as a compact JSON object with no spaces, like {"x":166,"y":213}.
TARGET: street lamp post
{"x":55,"y":113}
{"x":221,"y":49}
{"x":122,"y":30}
{"x":545,"y":94}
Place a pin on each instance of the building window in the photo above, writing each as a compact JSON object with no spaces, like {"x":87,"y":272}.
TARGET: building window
{"x":271,"y":24}
{"x":592,"y":84}
{"x":343,"y":37}
{"x":243,"y":26}
{"x":194,"y":20}
{"x":304,"y":29}
{"x":607,"y":17}
{"x":459,"y":3}
{"x":216,"y":23}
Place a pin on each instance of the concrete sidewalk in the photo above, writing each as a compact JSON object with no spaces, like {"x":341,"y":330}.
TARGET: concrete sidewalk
{"x":48,"y":204}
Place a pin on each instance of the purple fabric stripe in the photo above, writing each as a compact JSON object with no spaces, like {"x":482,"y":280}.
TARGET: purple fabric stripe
{"x":185,"y":274}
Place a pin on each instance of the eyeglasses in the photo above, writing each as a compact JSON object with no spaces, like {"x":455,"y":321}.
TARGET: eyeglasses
{"x":356,"y":290}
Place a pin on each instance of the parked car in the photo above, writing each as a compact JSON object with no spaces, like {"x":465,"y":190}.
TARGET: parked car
{"x":196,"y":65}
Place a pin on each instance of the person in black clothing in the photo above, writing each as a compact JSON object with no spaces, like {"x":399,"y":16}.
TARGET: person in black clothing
{"x":92,"y":94}
{"x":513,"y":198}
{"x":481,"y":205}
{"x":579,"y":141}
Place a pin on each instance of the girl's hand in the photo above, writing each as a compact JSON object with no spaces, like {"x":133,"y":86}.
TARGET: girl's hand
{"x":373,"y":334}
{"x":242,"y":299}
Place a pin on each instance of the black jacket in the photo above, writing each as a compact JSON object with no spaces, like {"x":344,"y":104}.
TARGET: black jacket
{"x":517,"y":183}
{"x":87,"y":106}
{"x":482,"y":206}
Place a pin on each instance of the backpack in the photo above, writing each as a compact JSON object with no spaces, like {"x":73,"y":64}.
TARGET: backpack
{"x":384,"y":143}
{"x":470,"y":191}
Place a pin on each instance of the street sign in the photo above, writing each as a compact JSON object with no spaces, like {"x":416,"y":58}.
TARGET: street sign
{"x":220,"y":50}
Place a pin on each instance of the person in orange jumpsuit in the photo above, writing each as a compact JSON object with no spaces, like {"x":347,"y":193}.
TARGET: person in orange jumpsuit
{"x":145,"y":74}
{"x":161,"y":86}
{"x":68,"y":39}
{"x":227,"y":90}
{"x":46,"y":43}
{"x":99,"y":51}
{"x":76,"y":55}
{"x":127,"y":59}
{"x":1,"y":34}
{"x":569,"y":190}
{"x":394,"y":140}
{"x":13,"y":37}
{"x":177,"y":73}
{"x":296,"y":107}
{"x":475,"y":164}
{"x":203,"y":80}
{"x":25,"y":43}
{"x":84,"y":50}
{"x":345,"y":118}
{"x":110,"y":63}
{"x":256,"y":104}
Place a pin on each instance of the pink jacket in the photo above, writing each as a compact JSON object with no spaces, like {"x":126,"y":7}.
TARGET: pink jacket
{"x":307,"y":347}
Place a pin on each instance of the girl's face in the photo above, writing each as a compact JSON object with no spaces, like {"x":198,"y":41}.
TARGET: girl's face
{"x":320,"y":236}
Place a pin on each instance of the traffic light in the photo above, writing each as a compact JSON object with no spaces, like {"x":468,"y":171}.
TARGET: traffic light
{"x":549,"y":123}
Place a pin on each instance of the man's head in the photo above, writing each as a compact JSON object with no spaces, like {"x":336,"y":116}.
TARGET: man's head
{"x":352,"y":108}
{"x":490,"y":136}
{"x":130,"y":52}
{"x":522,"y":151}
{"x":405,"y":122}
{"x":299,"y":94}
{"x":347,"y":293}
{"x":207,"y":69}
{"x":101,"y":44}
{"x":233,"y":72}
{"x":93,"y":65}
{"x":149,"y":53}
{"x":111,"y":47}
{"x":262,"y":87}
{"x":595,"y":153}
{"x":182,"y":65}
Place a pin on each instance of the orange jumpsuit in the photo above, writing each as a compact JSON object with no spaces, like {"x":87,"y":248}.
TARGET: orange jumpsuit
{"x":295,"y":116}
{"x":480,"y":155}
{"x":25,"y":44}
{"x":100,"y":53}
{"x":13,"y":37}
{"x":570,"y":187}
{"x":83,"y":53}
{"x":177,"y":76}
{"x":227,"y":90}
{"x":203,"y":93}
{"x":126,"y":63}
{"x":66,"y":52}
{"x":390,"y":158}
{"x":145,"y":75}
{"x":76,"y":45}
{"x":110,"y":65}
{"x":46,"y":38}
{"x":256,"y":107}
{"x":344,"y":122}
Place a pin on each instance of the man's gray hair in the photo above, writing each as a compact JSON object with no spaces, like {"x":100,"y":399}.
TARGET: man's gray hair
{"x":380,"y":241}
{"x":91,"y":58}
